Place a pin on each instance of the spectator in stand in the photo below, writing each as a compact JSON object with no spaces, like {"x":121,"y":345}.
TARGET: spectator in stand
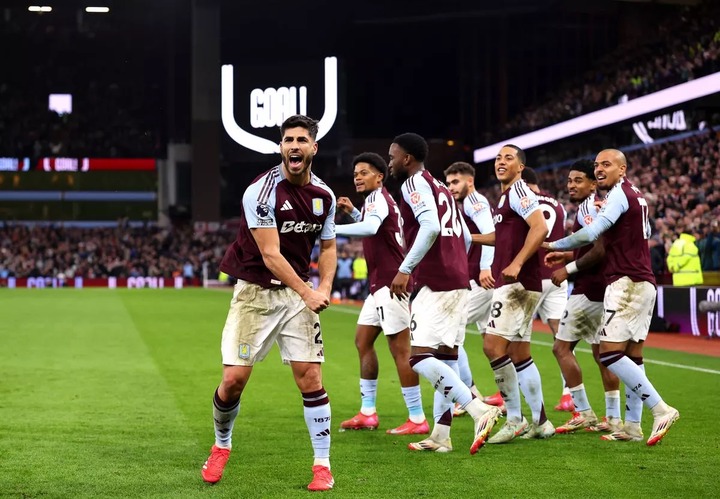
{"x":709,"y":247}
{"x":344,"y":274}
{"x":360,"y":276}
{"x":657,"y":256}
{"x":683,"y":259}
{"x":188,"y":272}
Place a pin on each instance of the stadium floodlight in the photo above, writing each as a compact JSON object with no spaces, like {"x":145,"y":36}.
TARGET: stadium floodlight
{"x":701,"y":87}
{"x":38,"y":8}
{"x":97,"y":10}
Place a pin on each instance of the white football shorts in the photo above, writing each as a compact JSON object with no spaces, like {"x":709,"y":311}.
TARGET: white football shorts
{"x":628,"y":311}
{"x":581,"y":320}
{"x":259,"y":317}
{"x":511,"y":312}
{"x":438,"y":318}
{"x":479,"y":306}
{"x":552,"y":300}
{"x":390,"y":314}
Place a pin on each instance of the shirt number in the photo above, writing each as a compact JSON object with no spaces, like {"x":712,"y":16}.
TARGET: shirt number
{"x":449,"y":223}
{"x":647,"y":231}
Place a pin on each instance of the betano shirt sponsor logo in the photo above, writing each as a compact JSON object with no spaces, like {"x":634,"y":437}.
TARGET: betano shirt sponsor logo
{"x":299,"y":227}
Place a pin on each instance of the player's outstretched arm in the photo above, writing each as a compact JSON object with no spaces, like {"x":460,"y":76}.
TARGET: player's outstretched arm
{"x":268,"y":241}
{"x":484,"y":239}
{"x":616,"y":205}
{"x":588,"y":260}
{"x":367,"y":227}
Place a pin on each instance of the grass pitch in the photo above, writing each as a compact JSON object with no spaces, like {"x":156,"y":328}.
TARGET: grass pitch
{"x":107,"y":393}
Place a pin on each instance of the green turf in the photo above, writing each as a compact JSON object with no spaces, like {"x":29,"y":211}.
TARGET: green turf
{"x":107,"y":393}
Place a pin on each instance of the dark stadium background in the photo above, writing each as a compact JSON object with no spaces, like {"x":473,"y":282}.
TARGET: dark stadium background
{"x":145,"y":84}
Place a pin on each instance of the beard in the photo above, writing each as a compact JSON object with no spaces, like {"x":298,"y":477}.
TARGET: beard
{"x":306,"y":163}
{"x":399,"y":175}
{"x":463,"y":193}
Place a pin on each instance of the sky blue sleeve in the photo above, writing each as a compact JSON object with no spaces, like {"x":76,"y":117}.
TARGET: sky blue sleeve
{"x":376,"y":211}
{"x":421,"y":199}
{"x":328,"y":230}
{"x":477,"y":207}
{"x":367,"y":227}
{"x":525,"y":206}
{"x":427,"y":233}
{"x":616,"y":205}
{"x":258,"y":215}
{"x":466,"y":234}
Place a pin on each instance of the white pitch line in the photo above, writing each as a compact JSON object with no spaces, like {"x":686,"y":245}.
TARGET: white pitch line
{"x":356,"y":311}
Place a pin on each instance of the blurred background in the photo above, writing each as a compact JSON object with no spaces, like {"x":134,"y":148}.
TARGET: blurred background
{"x":130,"y":129}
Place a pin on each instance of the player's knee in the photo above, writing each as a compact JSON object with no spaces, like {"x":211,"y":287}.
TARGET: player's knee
{"x":309,"y":379}
{"x":233,"y":383}
{"x":561,"y":349}
{"x":492,"y":351}
{"x":398,"y":349}
{"x":363,"y":345}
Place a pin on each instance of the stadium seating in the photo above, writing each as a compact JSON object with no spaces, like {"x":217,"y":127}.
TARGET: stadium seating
{"x":51,"y":251}
{"x":685,"y":47}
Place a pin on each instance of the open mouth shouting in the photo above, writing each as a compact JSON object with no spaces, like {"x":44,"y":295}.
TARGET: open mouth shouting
{"x":295,"y":161}
{"x":601,"y":177}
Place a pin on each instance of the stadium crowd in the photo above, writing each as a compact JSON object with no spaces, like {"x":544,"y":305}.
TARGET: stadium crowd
{"x":681,"y":181}
{"x":683,"y":48}
{"x":53,"y":251}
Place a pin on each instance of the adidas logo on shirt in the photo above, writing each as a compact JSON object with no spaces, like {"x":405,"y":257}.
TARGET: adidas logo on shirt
{"x":286,"y":206}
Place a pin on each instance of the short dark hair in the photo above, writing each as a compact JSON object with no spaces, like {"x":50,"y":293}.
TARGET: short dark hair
{"x":302,"y":121}
{"x":529,"y":175}
{"x":520,"y":153}
{"x":413,"y":144}
{"x":586,"y":166}
{"x":461,"y":168}
{"x":373,"y":159}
